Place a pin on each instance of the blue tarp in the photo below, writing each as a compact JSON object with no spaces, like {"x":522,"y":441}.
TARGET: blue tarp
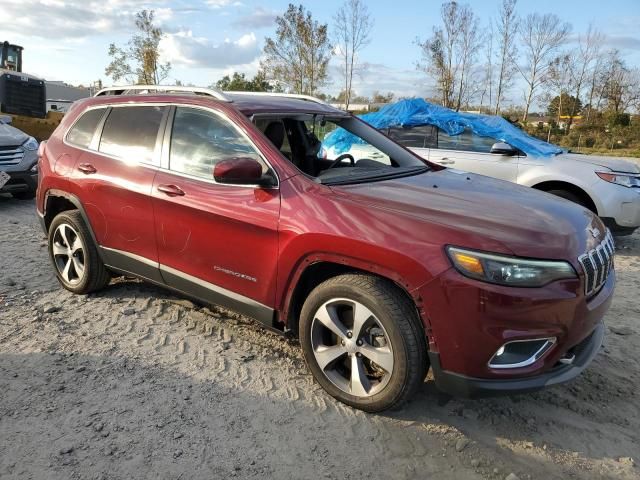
{"x":414,"y":112}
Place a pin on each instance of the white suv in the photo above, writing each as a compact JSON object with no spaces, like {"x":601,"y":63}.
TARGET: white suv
{"x":608,"y":186}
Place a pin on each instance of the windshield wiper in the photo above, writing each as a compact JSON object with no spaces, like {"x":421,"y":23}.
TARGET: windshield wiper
{"x":381,"y":176}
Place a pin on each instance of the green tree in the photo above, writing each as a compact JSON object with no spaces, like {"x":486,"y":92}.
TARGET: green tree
{"x":299,"y":54}
{"x":238,"y":82}
{"x":138,"y":61}
{"x":564,"y":106}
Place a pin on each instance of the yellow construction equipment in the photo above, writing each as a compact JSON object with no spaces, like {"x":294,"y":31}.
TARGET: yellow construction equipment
{"x":23,"y":96}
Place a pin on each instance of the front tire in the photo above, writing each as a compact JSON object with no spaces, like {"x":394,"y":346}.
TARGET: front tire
{"x":567,"y":195}
{"x":363,"y":341}
{"x":74,"y":256}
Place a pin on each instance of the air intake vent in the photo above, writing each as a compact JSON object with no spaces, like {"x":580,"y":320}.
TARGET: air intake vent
{"x":597,"y":264}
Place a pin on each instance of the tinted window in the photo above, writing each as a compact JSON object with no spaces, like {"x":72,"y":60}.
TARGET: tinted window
{"x":423,"y":136}
{"x":467,"y":141}
{"x":131,"y":132}
{"x":83,"y":130}
{"x":200,"y":139}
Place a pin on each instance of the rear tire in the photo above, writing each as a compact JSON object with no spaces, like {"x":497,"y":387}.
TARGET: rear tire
{"x":74,"y":256}
{"x":363,"y":341}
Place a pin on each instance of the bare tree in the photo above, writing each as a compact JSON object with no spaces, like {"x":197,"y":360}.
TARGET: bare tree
{"x":139,"y":60}
{"x":588,"y":52}
{"x":487,"y":82}
{"x":620,"y":84}
{"x":506,"y":27}
{"x":540,"y":36}
{"x":450,"y":53}
{"x":298,"y":56}
{"x":559,"y":80}
{"x":353,"y":26}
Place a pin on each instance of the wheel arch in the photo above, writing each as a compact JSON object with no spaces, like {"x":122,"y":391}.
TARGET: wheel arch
{"x":58,"y":201}
{"x":312,"y":271}
{"x":548,"y":185}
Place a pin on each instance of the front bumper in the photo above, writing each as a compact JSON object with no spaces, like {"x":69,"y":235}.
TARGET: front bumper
{"x":470,"y":387}
{"x":618,"y":206}
{"x":22,"y":178}
{"x":467,"y":321}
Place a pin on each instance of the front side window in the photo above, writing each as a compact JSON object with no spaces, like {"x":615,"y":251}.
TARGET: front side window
{"x":83,"y":130}
{"x":467,"y":141}
{"x":130,"y":133}
{"x":200,"y":139}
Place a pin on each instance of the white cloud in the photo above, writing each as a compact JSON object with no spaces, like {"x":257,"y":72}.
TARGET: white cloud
{"x":58,"y":19}
{"x":183,"y":48}
{"x":259,"y":18}
{"x":223,"y":3}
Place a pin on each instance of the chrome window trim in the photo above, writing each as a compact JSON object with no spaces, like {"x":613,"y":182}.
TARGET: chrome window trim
{"x":549,"y":343}
{"x":169,"y":125}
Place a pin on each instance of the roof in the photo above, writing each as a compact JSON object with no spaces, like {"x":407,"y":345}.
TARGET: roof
{"x":252,"y":103}
{"x":62,"y":91}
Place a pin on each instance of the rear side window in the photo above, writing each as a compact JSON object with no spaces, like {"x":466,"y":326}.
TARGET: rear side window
{"x":467,"y":141}
{"x":131,"y":132}
{"x":82,"y":132}
{"x":422,"y":136}
{"x":200,"y":139}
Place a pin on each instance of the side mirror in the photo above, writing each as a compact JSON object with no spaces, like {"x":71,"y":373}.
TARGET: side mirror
{"x":502,"y":148}
{"x":241,"y":171}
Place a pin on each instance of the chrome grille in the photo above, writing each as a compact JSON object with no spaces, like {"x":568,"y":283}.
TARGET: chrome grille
{"x":597,"y":264}
{"x":11,"y":155}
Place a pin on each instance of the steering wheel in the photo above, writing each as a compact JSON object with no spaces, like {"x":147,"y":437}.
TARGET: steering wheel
{"x":339,"y":160}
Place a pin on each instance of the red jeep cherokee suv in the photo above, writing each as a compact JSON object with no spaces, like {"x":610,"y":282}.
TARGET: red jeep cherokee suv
{"x":384,"y":266}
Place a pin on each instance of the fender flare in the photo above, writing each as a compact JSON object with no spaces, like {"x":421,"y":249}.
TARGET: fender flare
{"x":76,"y":203}
{"x":312,"y":258}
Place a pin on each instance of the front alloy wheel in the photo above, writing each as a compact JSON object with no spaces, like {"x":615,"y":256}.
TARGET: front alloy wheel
{"x":352,"y":347}
{"x":363,"y":341}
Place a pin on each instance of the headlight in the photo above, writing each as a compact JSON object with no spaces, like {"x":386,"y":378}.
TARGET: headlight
{"x":624,"y":179}
{"x":506,"y":270}
{"x":30,"y":144}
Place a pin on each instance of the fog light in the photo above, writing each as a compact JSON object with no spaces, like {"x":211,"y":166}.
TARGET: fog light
{"x":521,"y":353}
{"x":34,"y":169}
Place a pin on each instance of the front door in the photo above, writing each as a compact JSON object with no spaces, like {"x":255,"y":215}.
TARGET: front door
{"x":215,"y":241}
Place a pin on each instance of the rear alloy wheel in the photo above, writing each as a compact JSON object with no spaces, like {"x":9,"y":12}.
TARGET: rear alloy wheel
{"x":363,"y":341}
{"x":75,"y":258}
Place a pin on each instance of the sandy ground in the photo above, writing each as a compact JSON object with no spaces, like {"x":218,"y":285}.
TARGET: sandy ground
{"x":134,"y":382}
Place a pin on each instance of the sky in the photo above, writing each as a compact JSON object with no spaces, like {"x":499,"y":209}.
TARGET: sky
{"x":68,"y":40}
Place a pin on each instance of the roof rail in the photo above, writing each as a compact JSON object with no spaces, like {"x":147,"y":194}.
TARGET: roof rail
{"x":150,"y":89}
{"x":308,"y":98}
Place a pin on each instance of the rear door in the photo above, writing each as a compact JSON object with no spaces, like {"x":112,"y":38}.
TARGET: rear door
{"x":472,"y":153}
{"x":216,"y":241}
{"x":114,"y":176}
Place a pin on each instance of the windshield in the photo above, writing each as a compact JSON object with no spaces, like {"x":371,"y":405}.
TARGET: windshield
{"x":374,"y":157}
{"x":415,"y":112}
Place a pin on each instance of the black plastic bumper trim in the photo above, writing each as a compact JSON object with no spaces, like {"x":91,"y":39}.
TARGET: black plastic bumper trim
{"x":470,"y":387}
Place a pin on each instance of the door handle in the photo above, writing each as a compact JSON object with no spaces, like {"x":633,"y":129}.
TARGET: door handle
{"x":171,"y":190}
{"x":446,"y":161}
{"x":376,"y":155}
{"x":87,"y":168}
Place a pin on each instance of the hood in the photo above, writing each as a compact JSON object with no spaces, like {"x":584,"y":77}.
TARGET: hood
{"x":473,"y":211}
{"x":11,"y":136}
{"x":616,"y":164}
